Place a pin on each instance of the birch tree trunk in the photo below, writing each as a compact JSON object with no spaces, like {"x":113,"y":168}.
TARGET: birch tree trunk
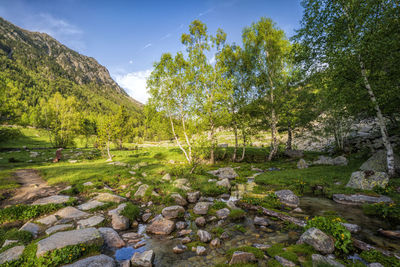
{"x":244,"y":144}
{"x":290,"y":137}
{"x":381,"y":121}
{"x":189,"y":159}
{"x":235,"y":130}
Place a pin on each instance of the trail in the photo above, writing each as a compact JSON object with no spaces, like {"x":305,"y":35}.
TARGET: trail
{"x":32,"y":187}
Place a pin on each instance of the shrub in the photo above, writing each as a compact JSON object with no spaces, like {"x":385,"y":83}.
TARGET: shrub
{"x":333,"y":227}
{"x":218,"y":205}
{"x":270,"y":201}
{"x":131,"y":211}
{"x":237,"y":214}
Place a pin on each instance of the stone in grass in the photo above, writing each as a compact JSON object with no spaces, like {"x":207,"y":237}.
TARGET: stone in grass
{"x":56,"y":199}
{"x":160,"y":226}
{"x":90,"y":222}
{"x":223,"y":213}
{"x":179,"y":200}
{"x":58,"y":228}
{"x":173,"y":212}
{"x":94,"y":261}
{"x":215,"y":243}
{"x":302,"y":164}
{"x":318,"y":239}
{"x":359,"y":199}
{"x":193,"y":196}
{"x":107,"y":197}
{"x":367,"y":180}
{"x":201,"y":251}
{"x":319,"y":260}
{"x":261,"y":221}
{"x":118,"y":221}
{"x":141,"y":190}
{"x":288,"y":198}
{"x":144,"y":259}
{"x":180,"y":225}
{"x":240,"y":257}
{"x":48,"y":220}
{"x":226,"y":172}
{"x":284,"y":262}
{"x":179,"y":249}
{"x":200,"y":221}
{"x":201,"y":208}
{"x":353,"y":228}
{"x":8,"y":242}
{"x":186,"y":240}
{"x":111,"y":237}
{"x":33,"y":228}
{"x":91,"y":205}
{"x":225,"y":183}
{"x":88,"y":236}
{"x":11,"y":254}
{"x":204,"y":236}
{"x":71,"y":213}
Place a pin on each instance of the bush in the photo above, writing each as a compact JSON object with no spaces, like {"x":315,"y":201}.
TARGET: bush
{"x":237,"y":214}
{"x":270,"y":201}
{"x":8,"y":133}
{"x":388,"y":211}
{"x":333,"y":227}
{"x":131,"y":211}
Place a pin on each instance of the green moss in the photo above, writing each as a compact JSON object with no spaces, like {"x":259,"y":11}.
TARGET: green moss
{"x":14,"y":234}
{"x":258,"y":253}
{"x":239,"y":228}
{"x":237,"y":214}
{"x":273,"y":263}
{"x":218,"y":205}
{"x":387,"y":211}
{"x":106,"y":206}
{"x":270,"y":201}
{"x":291,"y":256}
{"x":275,"y":249}
{"x":195,"y":244}
{"x":376,"y":256}
{"x":218,"y":230}
{"x":131,"y":211}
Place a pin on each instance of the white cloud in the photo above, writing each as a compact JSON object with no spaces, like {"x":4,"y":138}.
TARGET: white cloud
{"x":130,"y":61}
{"x":135,"y":84}
{"x":166,"y":36}
{"x":148,"y":45}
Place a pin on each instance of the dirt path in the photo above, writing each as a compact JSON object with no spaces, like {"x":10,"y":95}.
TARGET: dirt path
{"x":32,"y":188}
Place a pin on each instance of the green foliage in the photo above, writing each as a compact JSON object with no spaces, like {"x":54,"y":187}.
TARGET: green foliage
{"x":218,"y":230}
{"x":14,"y":234}
{"x":376,"y":256}
{"x":217,"y":205}
{"x":333,"y":227}
{"x":210,"y":189}
{"x":195,"y":244}
{"x":240,"y":228}
{"x":270,"y":201}
{"x":237,"y":214}
{"x":275,"y":250}
{"x":8,"y":133}
{"x":388,"y":211}
{"x":258,"y":253}
{"x":131,"y":211}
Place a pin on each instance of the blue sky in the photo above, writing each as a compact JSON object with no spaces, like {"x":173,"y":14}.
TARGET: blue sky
{"x":129,"y":36}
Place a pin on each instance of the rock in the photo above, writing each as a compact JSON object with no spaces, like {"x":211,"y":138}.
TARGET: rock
{"x":89,"y":236}
{"x":111,"y":237}
{"x":94,"y":261}
{"x":182,"y":184}
{"x":71,"y":213}
{"x":284,"y":262}
{"x":288,"y":198}
{"x":173,"y":212}
{"x":206,"y":199}
{"x":8,"y":242}
{"x":263,"y":247}
{"x":204,"y":236}
{"x":302,"y":164}
{"x":374,"y":264}
{"x":223,"y":213}
{"x":201,"y":208}
{"x":160,"y":226}
{"x":90,"y":222}
{"x":261,"y":221}
{"x":389,"y":233}
{"x":11,"y":254}
{"x":225,"y":183}
{"x":141,"y":190}
{"x":146,"y":216}
{"x":180,"y":225}
{"x":225,"y":235}
{"x":294,"y":154}
{"x":359,"y":199}
{"x":339,"y":161}
{"x":118,"y":221}
{"x":144,"y":259}
{"x":179,"y":249}
{"x":58,"y":228}
{"x":56,"y":199}
{"x":90,"y":205}
{"x":319,"y":260}
{"x":186,"y":240}
{"x":353,"y":228}
{"x":125,"y":263}
{"x":240,"y":257}
{"x":231,"y":204}
{"x":166,"y":177}
{"x":179,"y":200}
{"x":215,"y":243}
{"x":201,"y":251}
{"x":48,"y":220}
{"x":226,"y":172}
{"x":378,"y":163}
{"x":88,"y":184}
{"x":184,"y":232}
{"x":33,"y":228}
{"x":131,"y":237}
{"x":200,"y":221}
{"x":318,"y":239}
{"x":107,"y":197}
{"x":367,"y":180}
{"x":193,"y":196}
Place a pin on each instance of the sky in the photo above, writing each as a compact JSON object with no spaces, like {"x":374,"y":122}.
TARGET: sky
{"x":127,"y":37}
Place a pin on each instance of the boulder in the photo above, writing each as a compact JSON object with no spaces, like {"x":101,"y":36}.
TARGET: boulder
{"x":180,"y":225}
{"x":284,"y":262}
{"x":367,"y":180}
{"x":201,"y":251}
{"x":263,"y":247}
{"x":201,"y":208}
{"x":107,"y":197}
{"x":240,"y":257}
{"x":204,"y":236}
{"x":374,"y":264}
{"x":225,"y":183}
{"x":302,"y":164}
{"x":141,"y":190}
{"x":182,"y":184}
{"x":200,"y":221}
{"x":90,"y":222}
{"x":353,"y":228}
{"x":223,"y":213}
{"x":160,"y":226}
{"x":11,"y":254}
{"x":146,"y":216}
{"x":226,"y":172}
{"x":94,"y":261}
{"x":90,"y":205}
{"x":88,"y":236}
{"x":143,"y":259}
{"x":378,"y":162}
{"x":358,"y":199}
{"x":33,"y":228}
{"x":318,"y":239}
{"x":179,"y":200}
{"x":173,"y":212}
{"x":118,"y":221}
{"x":339,"y":161}
{"x":294,"y":154}
{"x":56,"y":199}
{"x":179,"y":249}
{"x":193,"y":196}
{"x":58,"y":228}
{"x":184,"y":232}
{"x":261,"y":221}
{"x":166,"y":177}
{"x":288,"y":198}
{"x":111,"y":237}
{"x":319,"y":260}
{"x":71,"y":213}
{"x":186,"y":240}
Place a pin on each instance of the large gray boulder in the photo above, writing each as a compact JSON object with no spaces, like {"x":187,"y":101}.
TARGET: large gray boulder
{"x":358,"y":199}
{"x":201,"y":208}
{"x":71,"y":213}
{"x":179,"y":200}
{"x":11,"y":254}
{"x":378,"y":163}
{"x":173,"y":212}
{"x":367,"y":180}
{"x":94,"y":261}
{"x":226,"y":172}
{"x":88,"y":236}
{"x":338,"y":161}
{"x":56,"y":199}
{"x":288,"y":198}
{"x":318,"y":239}
{"x":144,"y":259}
{"x":160,"y":226}
{"x":111,"y":237}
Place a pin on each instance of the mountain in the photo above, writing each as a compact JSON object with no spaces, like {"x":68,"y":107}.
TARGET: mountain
{"x":34,"y":66}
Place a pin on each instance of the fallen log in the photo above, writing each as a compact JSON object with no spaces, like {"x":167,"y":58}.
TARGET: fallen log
{"x":389,"y":233}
